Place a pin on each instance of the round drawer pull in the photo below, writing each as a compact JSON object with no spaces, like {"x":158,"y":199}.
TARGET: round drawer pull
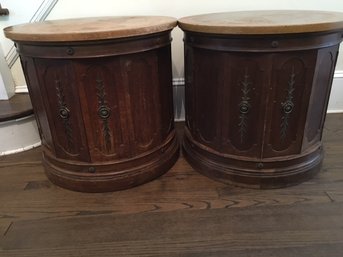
{"x":244,"y":107}
{"x":104,"y":112}
{"x":64,"y":113}
{"x":288,"y":107}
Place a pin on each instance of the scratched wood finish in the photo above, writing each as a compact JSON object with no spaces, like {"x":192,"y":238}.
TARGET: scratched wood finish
{"x":104,"y":108}
{"x":262,"y":22}
{"x":255,"y":105}
{"x":90,"y":28}
{"x":181,"y":213}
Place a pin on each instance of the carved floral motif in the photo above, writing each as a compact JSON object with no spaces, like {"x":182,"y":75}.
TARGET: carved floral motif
{"x":64,"y":113}
{"x":244,"y":105}
{"x":104,"y":112}
{"x":287,"y":106}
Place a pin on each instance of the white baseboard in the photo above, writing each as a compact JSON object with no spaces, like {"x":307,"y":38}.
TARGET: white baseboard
{"x":18,"y":135}
{"x":21,"y":89}
{"x":336,"y":97}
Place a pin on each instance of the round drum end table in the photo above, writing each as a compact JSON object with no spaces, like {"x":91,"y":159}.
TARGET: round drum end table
{"x":257,"y":90}
{"x":102,"y":96}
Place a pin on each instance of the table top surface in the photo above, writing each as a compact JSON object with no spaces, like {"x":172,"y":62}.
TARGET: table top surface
{"x":263,"y":22}
{"x":85,"y":29}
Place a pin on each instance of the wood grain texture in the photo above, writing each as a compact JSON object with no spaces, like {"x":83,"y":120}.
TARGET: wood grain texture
{"x":85,"y":29}
{"x":179,"y":214}
{"x":255,"y":105}
{"x":104,"y":108}
{"x":263,"y":22}
{"x":15,"y":108}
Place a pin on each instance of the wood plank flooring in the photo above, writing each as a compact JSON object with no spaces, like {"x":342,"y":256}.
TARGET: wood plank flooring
{"x":180,"y":214}
{"x":17,"y":107}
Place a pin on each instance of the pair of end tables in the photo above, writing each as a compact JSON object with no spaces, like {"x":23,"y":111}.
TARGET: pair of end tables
{"x":257,"y":88}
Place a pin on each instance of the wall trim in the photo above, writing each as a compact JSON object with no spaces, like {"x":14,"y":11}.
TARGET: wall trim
{"x":336,"y":98}
{"x":338,"y":74}
{"x":40,"y":15}
{"x":21,"y":89}
{"x":21,"y":149}
{"x":178,"y":82}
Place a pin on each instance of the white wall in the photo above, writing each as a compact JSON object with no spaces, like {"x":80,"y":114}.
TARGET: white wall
{"x":6,"y":81}
{"x":20,"y":12}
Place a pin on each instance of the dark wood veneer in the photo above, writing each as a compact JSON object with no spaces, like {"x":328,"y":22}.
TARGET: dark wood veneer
{"x":104,"y":109}
{"x":256,"y":104}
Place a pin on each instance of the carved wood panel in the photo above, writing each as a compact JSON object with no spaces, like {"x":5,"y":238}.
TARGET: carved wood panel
{"x":326,"y":60}
{"x":244,"y":103}
{"x":226,"y":105}
{"x":252,"y":105}
{"x":205,"y":106}
{"x":122,"y":106}
{"x":291,"y":83}
{"x":100,"y":100}
{"x":142,"y":103}
{"x":61,"y":100}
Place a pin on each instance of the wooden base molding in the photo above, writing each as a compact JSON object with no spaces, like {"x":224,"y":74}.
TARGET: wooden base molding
{"x":252,"y":172}
{"x":111,"y":176}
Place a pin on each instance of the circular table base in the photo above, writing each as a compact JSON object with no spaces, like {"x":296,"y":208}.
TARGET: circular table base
{"x":277,"y":172}
{"x":110,"y":176}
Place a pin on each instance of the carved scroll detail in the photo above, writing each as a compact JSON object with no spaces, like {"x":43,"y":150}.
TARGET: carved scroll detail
{"x":104,"y":112}
{"x":287,"y":106}
{"x":64,"y":113}
{"x":244,"y":105}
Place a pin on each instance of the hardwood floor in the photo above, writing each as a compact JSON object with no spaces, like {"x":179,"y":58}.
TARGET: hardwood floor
{"x":17,"y":107}
{"x":180,"y":214}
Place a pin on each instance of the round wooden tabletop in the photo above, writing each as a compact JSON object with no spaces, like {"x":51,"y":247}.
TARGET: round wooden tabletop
{"x":263,"y":22}
{"x":85,"y":29}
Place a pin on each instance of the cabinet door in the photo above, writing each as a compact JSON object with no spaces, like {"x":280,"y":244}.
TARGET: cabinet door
{"x":141,"y":101}
{"x":291,"y":82}
{"x":121,"y":104}
{"x":225,"y":102}
{"x":205,"y":85}
{"x":243,"y":103}
{"x":99,"y":86}
{"x":61,"y":100}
